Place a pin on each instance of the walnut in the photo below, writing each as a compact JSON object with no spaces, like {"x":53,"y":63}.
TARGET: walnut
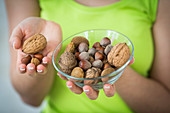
{"x":67,"y":60}
{"x":119,"y":55}
{"x":92,"y":73}
{"x":106,"y":72}
{"x":34,"y":44}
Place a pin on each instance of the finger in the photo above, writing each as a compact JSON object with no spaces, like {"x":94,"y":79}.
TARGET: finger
{"x":61,"y":76}
{"x":46,"y":61}
{"x":132,"y":61}
{"x":22,"y":68}
{"x":90,"y":93}
{"x":74,"y":88}
{"x":41,"y":69}
{"x":31,"y":69}
{"x":16,"y":37}
{"x":109,"y":90}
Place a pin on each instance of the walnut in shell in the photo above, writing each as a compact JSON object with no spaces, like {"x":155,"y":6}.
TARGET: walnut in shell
{"x":78,"y":39}
{"x":119,"y":55}
{"x":67,"y":60}
{"x":92,"y":73}
{"x":106,"y":72}
{"x":34,"y":44}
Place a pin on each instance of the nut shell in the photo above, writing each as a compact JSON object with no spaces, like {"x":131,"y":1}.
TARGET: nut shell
{"x":119,"y":55}
{"x":77,"y":72}
{"x":97,"y":64}
{"x":67,"y":60}
{"x":78,"y":39}
{"x":70,"y":47}
{"x":83,"y":47}
{"x":26,"y":59}
{"x":34,"y":44}
{"x":105,"y":41}
{"x":67,"y":71}
{"x":84,"y":64}
{"x":35,"y":61}
{"x":108,"y":49}
{"x":92,"y":73}
{"x":39,"y":56}
{"x":84,"y":56}
{"x":106,"y":72}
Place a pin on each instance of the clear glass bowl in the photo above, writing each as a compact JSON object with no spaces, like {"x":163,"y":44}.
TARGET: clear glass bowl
{"x":94,"y":36}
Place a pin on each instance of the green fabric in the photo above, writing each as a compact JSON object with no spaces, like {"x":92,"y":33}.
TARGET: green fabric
{"x":134,"y":18}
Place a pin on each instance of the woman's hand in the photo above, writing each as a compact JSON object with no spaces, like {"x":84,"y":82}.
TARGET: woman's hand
{"x":26,"y":29}
{"x":89,"y":91}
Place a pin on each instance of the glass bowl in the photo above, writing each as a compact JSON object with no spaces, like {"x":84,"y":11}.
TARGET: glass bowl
{"x":93,"y":36}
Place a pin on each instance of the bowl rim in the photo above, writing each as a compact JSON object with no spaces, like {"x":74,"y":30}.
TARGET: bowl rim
{"x":117,"y":71}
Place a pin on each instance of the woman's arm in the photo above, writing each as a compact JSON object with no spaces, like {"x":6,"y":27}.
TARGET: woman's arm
{"x":151,"y":95}
{"x":32,"y":90}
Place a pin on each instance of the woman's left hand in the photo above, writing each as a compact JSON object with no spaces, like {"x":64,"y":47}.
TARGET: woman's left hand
{"x":89,"y":91}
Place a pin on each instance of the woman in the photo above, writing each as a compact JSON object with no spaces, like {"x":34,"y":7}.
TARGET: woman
{"x":144,"y":87}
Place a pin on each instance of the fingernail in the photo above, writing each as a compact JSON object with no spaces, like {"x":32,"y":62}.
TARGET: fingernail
{"x":45,"y":62}
{"x":22,"y":69}
{"x":13,"y":45}
{"x":39,"y":71}
{"x":69,"y":86}
{"x":30,"y":68}
{"x":107,"y":87}
{"x":86,"y":90}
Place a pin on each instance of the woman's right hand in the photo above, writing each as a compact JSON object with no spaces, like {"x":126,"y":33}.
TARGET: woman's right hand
{"x":26,"y":29}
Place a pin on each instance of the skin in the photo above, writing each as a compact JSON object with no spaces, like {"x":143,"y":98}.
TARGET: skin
{"x":137,"y":91}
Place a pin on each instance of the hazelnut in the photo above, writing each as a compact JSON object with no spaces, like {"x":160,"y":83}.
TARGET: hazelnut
{"x":77,"y":72}
{"x":105,"y":41}
{"x":77,"y":54}
{"x":39,"y":56}
{"x":107,"y":49}
{"x":92,"y":73}
{"x":99,"y":56}
{"x":106,"y":72}
{"x":92,"y":51}
{"x":106,"y":65}
{"x":84,"y":64}
{"x":95,"y":45}
{"x":100,"y":49}
{"x":84,"y":56}
{"x":97,"y":63}
{"x":26,"y":59}
{"x":83,"y":47}
{"x":91,"y":59}
{"x":70,"y":47}
{"x":35,"y":61}
{"x":104,"y":59}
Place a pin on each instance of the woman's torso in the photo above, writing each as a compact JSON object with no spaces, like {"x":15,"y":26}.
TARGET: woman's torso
{"x":132,"y":18}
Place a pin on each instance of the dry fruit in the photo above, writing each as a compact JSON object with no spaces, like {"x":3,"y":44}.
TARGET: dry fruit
{"x":106,"y":72}
{"x":78,"y":39}
{"x":34,"y":44}
{"x":70,"y":47}
{"x":119,"y":55}
{"x":77,"y":72}
{"x":35,"y":61}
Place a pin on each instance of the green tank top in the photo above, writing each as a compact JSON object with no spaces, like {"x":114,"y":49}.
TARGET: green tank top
{"x":133,"y":18}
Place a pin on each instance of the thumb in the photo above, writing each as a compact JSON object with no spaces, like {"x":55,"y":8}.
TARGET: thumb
{"x":16,"y":38}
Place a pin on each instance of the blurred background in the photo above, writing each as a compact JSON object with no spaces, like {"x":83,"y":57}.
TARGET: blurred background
{"x":10,"y":101}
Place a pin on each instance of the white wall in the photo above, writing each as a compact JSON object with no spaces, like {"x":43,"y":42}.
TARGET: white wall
{"x":9,"y":99}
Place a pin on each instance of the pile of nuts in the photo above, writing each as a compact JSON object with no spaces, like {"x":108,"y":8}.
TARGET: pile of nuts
{"x":32,"y":47}
{"x":100,"y":60}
